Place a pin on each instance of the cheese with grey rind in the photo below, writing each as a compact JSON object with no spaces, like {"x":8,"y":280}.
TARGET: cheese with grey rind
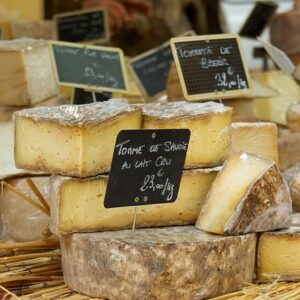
{"x":278,"y":254}
{"x":208,"y":122}
{"x":158,"y":263}
{"x":77,"y":205}
{"x":74,"y":140}
{"x":248,"y":195}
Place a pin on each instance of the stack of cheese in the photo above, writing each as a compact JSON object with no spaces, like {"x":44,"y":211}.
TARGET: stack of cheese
{"x":26,"y":77}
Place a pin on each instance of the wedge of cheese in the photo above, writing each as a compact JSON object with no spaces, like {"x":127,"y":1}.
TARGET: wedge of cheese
{"x":77,"y":205}
{"x":20,"y":221}
{"x":293,"y":117}
{"x":26,"y":75}
{"x":248,"y":195}
{"x":208,"y":122}
{"x":271,"y":109}
{"x":158,"y":263}
{"x":278,"y":254}
{"x":75,"y":140}
{"x":6,"y":112}
{"x":259,"y":138}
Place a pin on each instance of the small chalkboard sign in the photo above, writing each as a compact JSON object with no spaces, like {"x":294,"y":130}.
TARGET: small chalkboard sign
{"x":92,"y":68}
{"x":147,"y":167}
{"x":151,"y":69}
{"x":258,"y":19}
{"x":83,"y":26}
{"x":211,"y":67}
{"x":80,"y":96}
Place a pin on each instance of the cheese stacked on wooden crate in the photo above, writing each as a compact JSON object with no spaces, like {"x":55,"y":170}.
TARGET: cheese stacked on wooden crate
{"x":26,"y":76}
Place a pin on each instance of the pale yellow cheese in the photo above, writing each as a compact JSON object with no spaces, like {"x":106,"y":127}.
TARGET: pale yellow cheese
{"x":259,"y":138}
{"x":278,"y":254}
{"x":75,"y":140}
{"x":208,"y":122}
{"x":20,"y":221}
{"x":248,"y":195}
{"x":271,"y":109}
{"x":26,"y":74}
{"x":77,"y":205}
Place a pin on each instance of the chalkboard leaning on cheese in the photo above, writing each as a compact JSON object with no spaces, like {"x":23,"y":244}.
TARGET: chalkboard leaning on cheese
{"x":285,"y":33}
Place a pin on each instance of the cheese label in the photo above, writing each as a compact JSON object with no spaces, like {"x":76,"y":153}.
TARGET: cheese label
{"x":80,"y":96}
{"x":211,"y":67}
{"x":89,"y":67}
{"x":147,"y":167}
{"x":258,"y":19}
{"x":82,"y":26}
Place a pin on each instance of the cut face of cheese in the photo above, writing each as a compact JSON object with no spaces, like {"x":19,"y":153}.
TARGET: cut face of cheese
{"x":76,"y":140}
{"x":248,"y":195}
{"x":271,"y":109}
{"x":259,"y":138}
{"x":158,"y":263}
{"x":26,"y":75}
{"x":208,"y":122}
{"x":77,"y":205}
{"x":20,"y":221}
{"x":278,"y":254}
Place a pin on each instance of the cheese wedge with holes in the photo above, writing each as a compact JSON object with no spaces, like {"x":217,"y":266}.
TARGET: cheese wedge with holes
{"x":77,"y":205}
{"x":271,"y":109}
{"x":26,"y":75}
{"x":208,"y":122}
{"x":278,"y":254}
{"x":75,"y":140}
{"x":248,"y":195}
{"x":158,"y":263}
{"x":259,"y":138}
{"x":20,"y":221}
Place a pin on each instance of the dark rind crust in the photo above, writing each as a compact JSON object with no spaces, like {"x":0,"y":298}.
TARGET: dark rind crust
{"x":112,"y":265}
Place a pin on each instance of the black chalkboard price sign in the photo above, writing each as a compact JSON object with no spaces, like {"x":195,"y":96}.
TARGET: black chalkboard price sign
{"x":211,"y":66}
{"x":151,"y":69}
{"x":83,"y":26}
{"x":89,"y":67}
{"x":80,"y":96}
{"x":147,"y":167}
{"x":258,"y":19}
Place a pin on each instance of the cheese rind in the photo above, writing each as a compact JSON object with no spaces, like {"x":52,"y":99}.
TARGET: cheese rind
{"x":208,"y":122}
{"x":75,"y":140}
{"x":278,"y":254}
{"x":248,"y":195}
{"x":271,"y":109}
{"x":163,"y":263}
{"x":259,"y":138}
{"x":77,"y":205}
{"x":26,"y":75}
{"x":20,"y":221}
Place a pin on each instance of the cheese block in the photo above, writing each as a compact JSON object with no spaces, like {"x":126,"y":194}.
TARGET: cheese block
{"x":209,"y":123}
{"x":293,"y":117}
{"x":26,"y":75}
{"x":278,"y":254}
{"x":41,"y":29}
{"x":75,"y":140}
{"x":158,"y":263}
{"x":77,"y":205}
{"x":20,"y":221}
{"x":259,"y":138}
{"x":248,"y":195}
{"x":288,"y":149}
{"x":6,"y":112}
{"x":271,"y":109}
